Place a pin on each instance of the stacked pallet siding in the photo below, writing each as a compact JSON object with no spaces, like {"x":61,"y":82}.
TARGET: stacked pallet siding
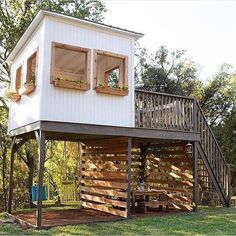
{"x":165,"y":166}
{"x":104,"y":176}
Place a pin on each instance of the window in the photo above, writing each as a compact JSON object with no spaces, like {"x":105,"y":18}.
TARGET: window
{"x":30,"y":83}
{"x":31,"y":69}
{"x":18,"y":80}
{"x":70,"y":66}
{"x":110,"y":73}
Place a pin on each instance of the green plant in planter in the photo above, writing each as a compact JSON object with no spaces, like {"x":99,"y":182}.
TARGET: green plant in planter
{"x":32,"y":77}
{"x":125,"y":88}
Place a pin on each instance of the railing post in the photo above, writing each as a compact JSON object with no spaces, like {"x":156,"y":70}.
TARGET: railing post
{"x":195,"y":110}
{"x":129,"y":176}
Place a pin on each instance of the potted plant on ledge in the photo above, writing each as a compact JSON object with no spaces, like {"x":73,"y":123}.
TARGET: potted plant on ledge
{"x":29,"y":86}
{"x":13,"y":96}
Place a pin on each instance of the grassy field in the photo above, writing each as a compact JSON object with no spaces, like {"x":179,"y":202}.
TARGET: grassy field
{"x":208,"y":221}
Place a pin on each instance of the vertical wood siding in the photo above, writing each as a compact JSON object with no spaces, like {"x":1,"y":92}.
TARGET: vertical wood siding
{"x":68,"y":105}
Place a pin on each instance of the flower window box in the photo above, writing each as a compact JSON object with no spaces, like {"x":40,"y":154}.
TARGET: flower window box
{"x":70,"y":67}
{"x":70,"y":84}
{"x":122,"y":91}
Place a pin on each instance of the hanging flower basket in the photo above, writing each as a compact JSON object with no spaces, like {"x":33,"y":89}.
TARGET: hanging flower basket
{"x":14,"y":96}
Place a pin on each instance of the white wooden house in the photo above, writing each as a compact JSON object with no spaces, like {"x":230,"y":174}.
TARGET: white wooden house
{"x":70,"y":60}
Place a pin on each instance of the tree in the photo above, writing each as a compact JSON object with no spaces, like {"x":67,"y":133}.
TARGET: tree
{"x":4,"y":144}
{"x":218,"y":95}
{"x":17,"y":15}
{"x":15,"y":18}
{"x":168,"y":72}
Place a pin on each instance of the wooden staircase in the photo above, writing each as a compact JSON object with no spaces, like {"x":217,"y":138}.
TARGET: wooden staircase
{"x":213,"y":159}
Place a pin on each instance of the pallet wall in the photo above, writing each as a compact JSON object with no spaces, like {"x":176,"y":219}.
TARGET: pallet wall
{"x":104,"y":176}
{"x":166,"y":166}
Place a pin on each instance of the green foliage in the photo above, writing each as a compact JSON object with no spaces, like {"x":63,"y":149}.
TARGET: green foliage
{"x":218,"y":95}
{"x":167,"y":72}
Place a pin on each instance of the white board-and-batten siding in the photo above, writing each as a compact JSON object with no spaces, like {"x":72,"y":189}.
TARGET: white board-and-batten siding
{"x":27,"y":110}
{"x":68,"y":105}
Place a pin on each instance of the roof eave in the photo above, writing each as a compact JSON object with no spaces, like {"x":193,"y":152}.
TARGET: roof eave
{"x":42,"y":13}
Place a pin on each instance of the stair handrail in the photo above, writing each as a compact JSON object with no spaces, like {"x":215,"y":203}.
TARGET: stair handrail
{"x":212,"y":133}
{"x":226,"y":186}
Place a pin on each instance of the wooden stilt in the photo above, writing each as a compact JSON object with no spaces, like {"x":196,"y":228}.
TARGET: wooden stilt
{"x":129,"y":177}
{"x":11,"y":175}
{"x":195,"y":176}
{"x":40,"y":137}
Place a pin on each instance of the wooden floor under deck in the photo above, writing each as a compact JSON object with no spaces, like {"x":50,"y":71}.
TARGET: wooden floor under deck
{"x":54,"y":218}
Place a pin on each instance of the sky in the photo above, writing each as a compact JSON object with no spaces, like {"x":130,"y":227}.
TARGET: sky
{"x":206,"y":29}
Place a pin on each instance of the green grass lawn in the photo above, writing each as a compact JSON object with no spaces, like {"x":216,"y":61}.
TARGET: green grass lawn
{"x":207,"y":221}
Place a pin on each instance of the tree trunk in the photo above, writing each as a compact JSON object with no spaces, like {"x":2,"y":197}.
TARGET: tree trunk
{"x":30,"y":165}
{"x":4,"y":168}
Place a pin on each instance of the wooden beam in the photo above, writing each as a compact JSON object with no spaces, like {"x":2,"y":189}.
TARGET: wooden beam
{"x":78,"y":128}
{"x":25,"y":129}
{"x":129,"y":176}
{"x":195,"y":176}
{"x":11,"y":175}
{"x":40,"y":136}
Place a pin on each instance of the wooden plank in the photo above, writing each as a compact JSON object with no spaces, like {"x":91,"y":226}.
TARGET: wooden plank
{"x":105,"y":175}
{"x":107,"y":184}
{"x":112,"y":193}
{"x":105,"y":166}
{"x":104,"y":158}
{"x":167,"y":152}
{"x":104,"y":200}
{"x":171,"y":182}
{"x":176,"y":159}
{"x":105,"y":209}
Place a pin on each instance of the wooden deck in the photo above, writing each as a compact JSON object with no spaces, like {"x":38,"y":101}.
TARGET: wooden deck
{"x":54,"y":218}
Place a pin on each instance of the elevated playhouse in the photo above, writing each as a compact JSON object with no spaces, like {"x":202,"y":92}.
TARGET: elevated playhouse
{"x":73,"y":80}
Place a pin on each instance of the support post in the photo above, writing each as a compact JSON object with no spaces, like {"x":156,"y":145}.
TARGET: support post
{"x":40,"y":137}
{"x":129,"y":177}
{"x":9,"y":208}
{"x":195,"y":176}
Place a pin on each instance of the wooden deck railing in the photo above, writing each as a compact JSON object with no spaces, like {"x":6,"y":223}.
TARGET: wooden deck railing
{"x":163,"y":111}
{"x":213,"y":153}
{"x":171,"y":112}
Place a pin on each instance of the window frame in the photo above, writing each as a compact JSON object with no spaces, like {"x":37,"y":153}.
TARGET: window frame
{"x":123,"y":89}
{"x":29,"y":65}
{"x":85,"y":85}
{"x":18,"y":78}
